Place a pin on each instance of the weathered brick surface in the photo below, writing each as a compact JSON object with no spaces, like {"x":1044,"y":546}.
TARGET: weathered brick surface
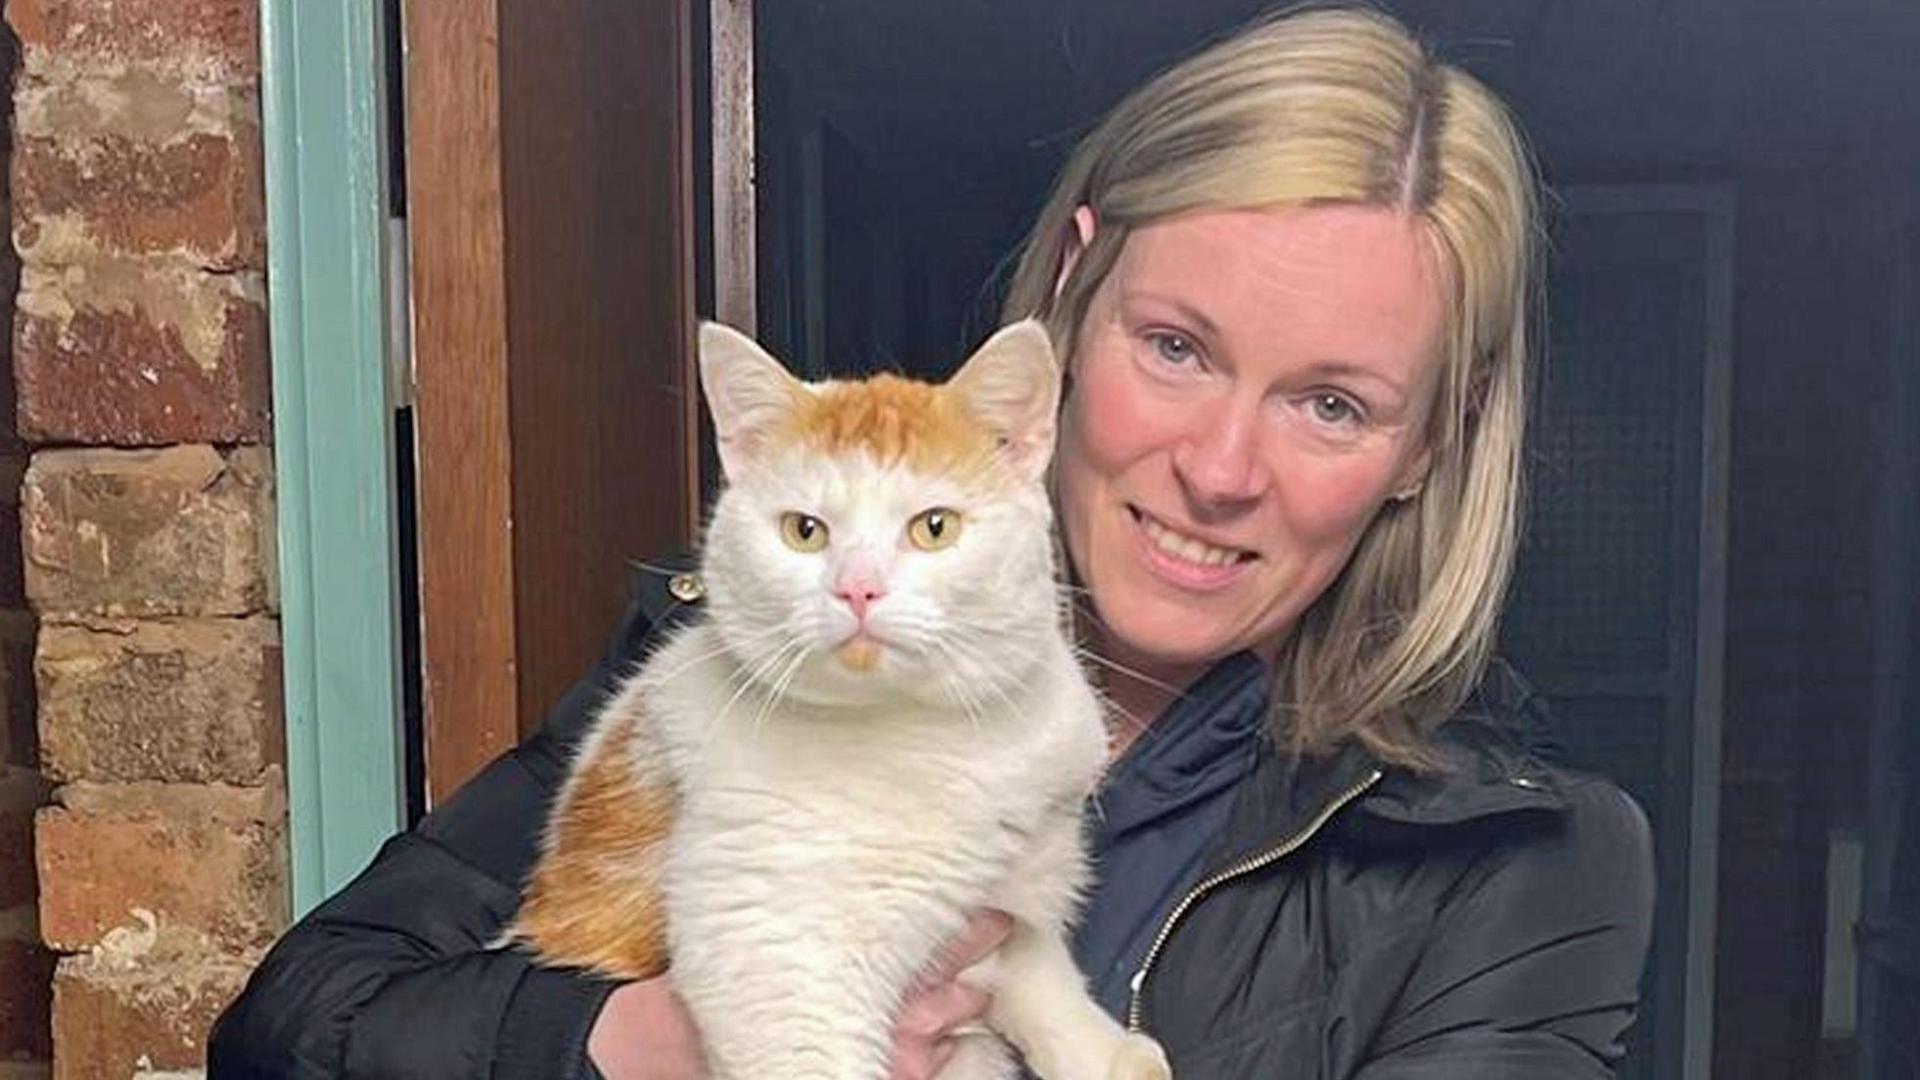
{"x":25,"y":1030}
{"x":197,"y":195}
{"x":114,"y":1020}
{"x":181,"y":531}
{"x":200,"y":868}
{"x":136,"y":164}
{"x":138,"y":214}
{"x":214,"y":40}
{"x":22,"y":791}
{"x":192,"y":700}
{"x":138,"y":353}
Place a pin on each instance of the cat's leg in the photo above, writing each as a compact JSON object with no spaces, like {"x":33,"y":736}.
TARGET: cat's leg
{"x":789,"y":970}
{"x":980,"y":1055}
{"x":1040,"y":1002}
{"x":767,"y":1010}
{"x":1042,"y":1006}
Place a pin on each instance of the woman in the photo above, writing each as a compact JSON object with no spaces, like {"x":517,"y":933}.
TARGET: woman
{"x":1291,"y":279}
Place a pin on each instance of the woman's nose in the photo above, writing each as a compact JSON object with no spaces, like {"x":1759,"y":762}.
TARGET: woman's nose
{"x":1219,"y":461}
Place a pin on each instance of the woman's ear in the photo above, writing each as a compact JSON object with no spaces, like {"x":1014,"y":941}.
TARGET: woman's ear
{"x":1083,"y":226}
{"x":1414,"y":477}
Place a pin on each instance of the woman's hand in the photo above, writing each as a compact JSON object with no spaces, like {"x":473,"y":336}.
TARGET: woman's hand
{"x":923,"y":1036}
{"x":644,"y":1031}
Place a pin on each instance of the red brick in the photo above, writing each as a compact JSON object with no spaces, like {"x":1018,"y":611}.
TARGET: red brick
{"x":22,"y":792}
{"x":181,"y":531}
{"x":113,"y":1022}
{"x":213,"y":39}
{"x":137,"y":163}
{"x":195,"y":867}
{"x":193,"y":700}
{"x":26,"y":977}
{"x":141,"y":353}
{"x":198,"y":195}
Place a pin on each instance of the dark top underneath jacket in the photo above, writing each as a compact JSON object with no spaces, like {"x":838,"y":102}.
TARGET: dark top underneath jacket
{"x":1334,"y":919}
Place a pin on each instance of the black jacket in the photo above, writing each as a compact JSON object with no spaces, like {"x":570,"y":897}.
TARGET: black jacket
{"x":1486,"y":923}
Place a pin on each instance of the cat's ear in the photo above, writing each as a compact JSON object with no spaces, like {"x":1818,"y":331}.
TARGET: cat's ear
{"x":747,"y":391}
{"x":1012,"y":383}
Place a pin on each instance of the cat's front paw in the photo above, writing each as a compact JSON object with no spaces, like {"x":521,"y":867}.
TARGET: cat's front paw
{"x":1138,"y":1057}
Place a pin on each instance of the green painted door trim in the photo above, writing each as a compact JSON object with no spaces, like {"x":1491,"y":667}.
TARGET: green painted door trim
{"x":322,"y":90}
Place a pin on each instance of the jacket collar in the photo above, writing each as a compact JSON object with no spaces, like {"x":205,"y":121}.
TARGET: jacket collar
{"x":1495,"y":755}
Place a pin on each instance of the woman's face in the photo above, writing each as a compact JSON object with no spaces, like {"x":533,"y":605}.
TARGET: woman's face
{"x":1249,"y":388}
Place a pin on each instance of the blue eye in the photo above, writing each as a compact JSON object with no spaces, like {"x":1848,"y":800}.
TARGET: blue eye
{"x":1334,"y":409}
{"x":1173,"y":348}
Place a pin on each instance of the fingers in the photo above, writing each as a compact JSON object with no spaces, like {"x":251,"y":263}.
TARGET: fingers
{"x":941,"y":1006}
{"x":921,"y":1060}
{"x":934,"y":1012}
{"x":987,"y":931}
{"x":923,"y":1037}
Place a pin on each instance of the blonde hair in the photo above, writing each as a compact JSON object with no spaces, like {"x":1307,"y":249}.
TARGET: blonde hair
{"x":1341,"y":105}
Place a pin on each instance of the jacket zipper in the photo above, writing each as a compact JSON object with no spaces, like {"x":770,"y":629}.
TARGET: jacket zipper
{"x":1245,"y":866}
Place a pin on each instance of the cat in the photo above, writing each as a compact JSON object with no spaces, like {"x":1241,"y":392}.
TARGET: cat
{"x":876,"y":726}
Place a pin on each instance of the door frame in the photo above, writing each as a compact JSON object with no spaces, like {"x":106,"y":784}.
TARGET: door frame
{"x":324,"y":136}
{"x":551,"y":222}
{"x":1691,"y":1025}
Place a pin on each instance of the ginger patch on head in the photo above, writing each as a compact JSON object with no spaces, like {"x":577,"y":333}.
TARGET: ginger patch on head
{"x":594,"y":900}
{"x":898,"y":421}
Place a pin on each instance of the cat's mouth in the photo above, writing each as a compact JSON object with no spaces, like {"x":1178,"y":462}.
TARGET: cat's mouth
{"x":1186,"y":547}
{"x":860,"y":653}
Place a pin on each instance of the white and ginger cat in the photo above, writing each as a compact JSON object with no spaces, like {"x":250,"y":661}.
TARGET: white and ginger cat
{"x":876,"y":726}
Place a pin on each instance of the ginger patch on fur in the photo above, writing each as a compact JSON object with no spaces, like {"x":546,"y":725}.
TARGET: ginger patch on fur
{"x":895,"y":420}
{"x":594,"y":900}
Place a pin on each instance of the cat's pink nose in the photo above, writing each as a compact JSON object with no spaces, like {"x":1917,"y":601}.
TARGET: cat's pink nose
{"x":860,"y":595}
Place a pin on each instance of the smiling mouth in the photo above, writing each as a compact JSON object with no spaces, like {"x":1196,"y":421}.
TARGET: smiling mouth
{"x":1188,"y":549}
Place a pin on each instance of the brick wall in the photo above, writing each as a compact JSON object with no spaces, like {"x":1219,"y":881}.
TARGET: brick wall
{"x":145,"y":525}
{"x":26,"y":966}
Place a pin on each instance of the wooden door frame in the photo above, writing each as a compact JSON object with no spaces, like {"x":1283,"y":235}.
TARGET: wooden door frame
{"x":733,"y":149}
{"x":556,"y":403}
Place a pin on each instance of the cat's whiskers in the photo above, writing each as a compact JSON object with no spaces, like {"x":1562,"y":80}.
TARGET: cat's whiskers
{"x":778,"y":690}
{"x":962,"y":641}
{"x":960,"y":687}
{"x":723,"y":649}
{"x":762,"y":668}
{"x":1071,"y":589}
{"x":995,"y":682}
{"x":1127,"y":719}
{"x":1087,"y":653}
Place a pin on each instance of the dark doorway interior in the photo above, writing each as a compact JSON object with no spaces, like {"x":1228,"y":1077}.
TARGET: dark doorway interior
{"x":1720,"y":591}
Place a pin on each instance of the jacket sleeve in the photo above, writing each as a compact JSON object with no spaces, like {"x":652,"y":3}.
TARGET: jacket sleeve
{"x":1532,"y":971}
{"x":392,"y":976}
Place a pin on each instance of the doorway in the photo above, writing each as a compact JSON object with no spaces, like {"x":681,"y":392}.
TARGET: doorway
{"x":1718,"y":597}
{"x":1722,"y":261}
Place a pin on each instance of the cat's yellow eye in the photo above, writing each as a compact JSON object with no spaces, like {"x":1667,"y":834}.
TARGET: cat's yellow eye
{"x":931,"y":530}
{"x":803,"y":532}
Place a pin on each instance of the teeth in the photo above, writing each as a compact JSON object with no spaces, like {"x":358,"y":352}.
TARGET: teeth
{"x":1186,"y":547}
